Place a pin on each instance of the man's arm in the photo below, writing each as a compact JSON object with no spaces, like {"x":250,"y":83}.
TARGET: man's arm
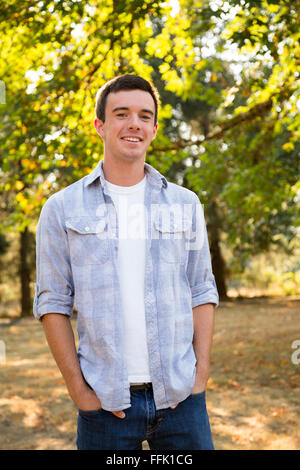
{"x":54,"y":293}
{"x":204,"y":297}
{"x":203,"y":316}
{"x":60,"y":337}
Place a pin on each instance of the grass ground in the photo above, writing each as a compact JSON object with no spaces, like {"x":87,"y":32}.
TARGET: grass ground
{"x":253,"y":394}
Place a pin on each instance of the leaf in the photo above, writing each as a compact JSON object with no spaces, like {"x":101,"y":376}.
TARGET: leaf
{"x":19,"y":185}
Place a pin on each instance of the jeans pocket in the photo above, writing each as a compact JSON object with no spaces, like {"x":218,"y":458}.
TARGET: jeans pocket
{"x":89,"y":412}
{"x":198,"y":395}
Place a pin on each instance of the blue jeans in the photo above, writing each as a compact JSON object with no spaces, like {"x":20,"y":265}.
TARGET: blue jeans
{"x":185,"y":428}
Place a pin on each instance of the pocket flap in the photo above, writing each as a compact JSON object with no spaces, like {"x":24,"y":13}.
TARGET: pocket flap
{"x":86,"y":225}
{"x":165,"y":225}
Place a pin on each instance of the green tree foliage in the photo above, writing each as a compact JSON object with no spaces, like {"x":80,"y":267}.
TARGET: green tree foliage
{"x":262,"y":150}
{"x":241,"y":121}
{"x":228,"y":74}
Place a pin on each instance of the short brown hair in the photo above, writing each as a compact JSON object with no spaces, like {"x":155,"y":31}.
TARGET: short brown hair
{"x":124,"y":82}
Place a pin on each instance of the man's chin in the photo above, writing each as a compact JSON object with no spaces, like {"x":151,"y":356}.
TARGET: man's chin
{"x":132,"y":157}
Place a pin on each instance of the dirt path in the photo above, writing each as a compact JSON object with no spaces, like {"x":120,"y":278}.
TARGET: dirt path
{"x":253,"y":395}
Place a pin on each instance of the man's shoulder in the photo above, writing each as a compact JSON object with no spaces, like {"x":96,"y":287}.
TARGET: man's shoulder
{"x":170,"y":189}
{"x":68,"y":194}
{"x":181,"y":193}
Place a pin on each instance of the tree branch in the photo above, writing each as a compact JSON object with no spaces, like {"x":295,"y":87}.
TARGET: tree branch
{"x":260,"y":109}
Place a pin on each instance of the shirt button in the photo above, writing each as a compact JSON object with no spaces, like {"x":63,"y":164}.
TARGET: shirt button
{"x":87,"y":229}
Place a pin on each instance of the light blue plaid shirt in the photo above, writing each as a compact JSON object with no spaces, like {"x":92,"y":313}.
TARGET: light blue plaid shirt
{"x":77,"y":248}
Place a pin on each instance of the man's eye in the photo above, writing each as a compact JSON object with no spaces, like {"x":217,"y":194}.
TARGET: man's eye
{"x":121,"y":114}
{"x":146,"y":117}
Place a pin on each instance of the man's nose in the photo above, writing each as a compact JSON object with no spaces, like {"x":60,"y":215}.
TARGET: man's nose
{"x":134,"y":122}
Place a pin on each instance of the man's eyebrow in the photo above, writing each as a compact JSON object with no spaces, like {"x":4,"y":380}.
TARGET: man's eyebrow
{"x":120,"y":109}
{"x":148,"y":111}
{"x":124,"y":108}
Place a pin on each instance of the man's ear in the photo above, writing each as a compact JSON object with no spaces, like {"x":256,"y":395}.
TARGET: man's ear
{"x":155,"y":131}
{"x":99,"y":126}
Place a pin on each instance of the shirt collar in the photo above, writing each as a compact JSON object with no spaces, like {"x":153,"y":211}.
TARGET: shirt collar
{"x":153,"y":176}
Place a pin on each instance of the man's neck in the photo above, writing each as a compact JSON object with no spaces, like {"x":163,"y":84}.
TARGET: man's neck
{"x":123,"y":173}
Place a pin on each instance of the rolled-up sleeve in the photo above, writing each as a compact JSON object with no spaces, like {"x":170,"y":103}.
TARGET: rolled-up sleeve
{"x":199,"y":269}
{"x":54,"y":289}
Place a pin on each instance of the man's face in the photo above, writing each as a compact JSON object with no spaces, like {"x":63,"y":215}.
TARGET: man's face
{"x":129,"y":126}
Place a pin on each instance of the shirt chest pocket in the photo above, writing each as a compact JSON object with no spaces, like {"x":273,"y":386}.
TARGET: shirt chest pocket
{"x":88,"y":240}
{"x":171,"y":239}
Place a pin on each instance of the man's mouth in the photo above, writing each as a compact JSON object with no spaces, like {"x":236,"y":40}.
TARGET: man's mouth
{"x":132,"y":139}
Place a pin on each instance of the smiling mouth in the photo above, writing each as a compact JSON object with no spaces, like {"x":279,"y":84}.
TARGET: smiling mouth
{"x":132,"y":139}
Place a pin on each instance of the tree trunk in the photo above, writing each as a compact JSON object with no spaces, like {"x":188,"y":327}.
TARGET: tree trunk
{"x":218,"y":262}
{"x":26,"y":306}
{"x":218,"y":267}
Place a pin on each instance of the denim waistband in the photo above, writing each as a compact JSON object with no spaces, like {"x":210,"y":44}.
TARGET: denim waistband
{"x":141,"y":386}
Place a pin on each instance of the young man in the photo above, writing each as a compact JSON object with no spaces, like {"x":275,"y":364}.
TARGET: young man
{"x":131,"y":249}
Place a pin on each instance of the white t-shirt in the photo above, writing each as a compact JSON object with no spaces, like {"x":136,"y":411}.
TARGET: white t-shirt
{"x":129,"y":203}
